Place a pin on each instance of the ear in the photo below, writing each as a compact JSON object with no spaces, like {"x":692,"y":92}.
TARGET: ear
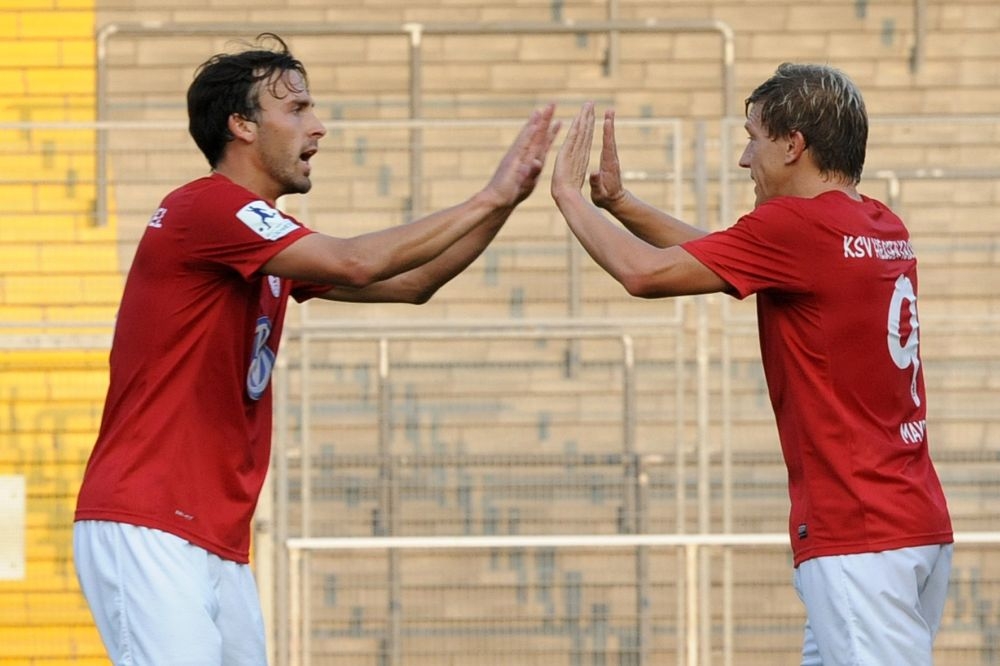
{"x":242,"y":128}
{"x":795,"y":145}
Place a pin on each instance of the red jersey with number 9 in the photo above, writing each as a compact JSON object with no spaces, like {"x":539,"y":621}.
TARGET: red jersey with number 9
{"x":836,"y":287}
{"x":184,"y":443}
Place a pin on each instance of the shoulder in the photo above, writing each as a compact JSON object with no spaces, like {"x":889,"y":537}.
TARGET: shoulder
{"x":781,"y":217}
{"x":217,"y":201}
{"x":797,"y":217}
{"x":211,"y":191}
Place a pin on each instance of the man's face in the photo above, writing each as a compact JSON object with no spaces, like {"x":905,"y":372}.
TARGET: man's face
{"x":765,"y":157}
{"x":288,"y":133}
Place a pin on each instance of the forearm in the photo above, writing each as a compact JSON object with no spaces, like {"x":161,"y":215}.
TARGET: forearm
{"x":361,"y":261}
{"x":453,"y":231}
{"x":651,"y":224}
{"x":645,"y":270}
{"x":419,"y":284}
{"x":606,"y":243}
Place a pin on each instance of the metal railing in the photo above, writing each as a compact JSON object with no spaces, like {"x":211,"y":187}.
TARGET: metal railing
{"x":414,"y":33}
{"x":710,"y":483}
{"x":694,"y":646}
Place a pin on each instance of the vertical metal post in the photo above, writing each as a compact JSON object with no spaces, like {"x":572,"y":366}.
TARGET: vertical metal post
{"x":100,"y":97}
{"x":691,"y":558}
{"x":634,"y":482}
{"x":727,"y":497}
{"x":416,"y":32}
{"x":305,"y":465}
{"x":680,"y":444}
{"x":628,"y":437}
{"x":295,"y":619}
{"x":614,"y":52}
{"x":919,"y":35}
{"x":388,"y":501}
{"x":704,"y":458}
{"x":279,"y":473}
{"x":725,"y":215}
{"x":642,"y":583}
{"x":680,"y":478}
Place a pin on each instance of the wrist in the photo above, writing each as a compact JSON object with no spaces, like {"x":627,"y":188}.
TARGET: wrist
{"x":564,"y":192}
{"x":618,"y":202}
{"x":490,"y":201}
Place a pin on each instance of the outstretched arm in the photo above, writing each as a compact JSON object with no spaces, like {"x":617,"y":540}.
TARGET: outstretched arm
{"x":606,"y":191}
{"x":410,"y":262}
{"x":643,"y":268}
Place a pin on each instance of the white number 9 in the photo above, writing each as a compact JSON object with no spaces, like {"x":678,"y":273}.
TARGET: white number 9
{"x":905,"y":354}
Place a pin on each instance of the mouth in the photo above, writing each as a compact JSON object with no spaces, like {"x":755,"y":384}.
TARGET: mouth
{"x":306,"y":155}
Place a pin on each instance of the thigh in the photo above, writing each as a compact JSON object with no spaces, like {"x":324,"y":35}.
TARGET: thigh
{"x":810,"y":651}
{"x":934,"y":593}
{"x":151,"y":595}
{"x":240,"y":621}
{"x":867,"y":609}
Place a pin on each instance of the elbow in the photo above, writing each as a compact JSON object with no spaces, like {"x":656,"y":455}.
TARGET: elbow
{"x":419,"y":296}
{"x":639,"y":285}
{"x":357,"y":274}
{"x":410,"y":289}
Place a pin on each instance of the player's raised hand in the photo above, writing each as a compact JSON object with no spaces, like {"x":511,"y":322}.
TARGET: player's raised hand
{"x":606,"y":183}
{"x":517,"y":174}
{"x":570,"y":169}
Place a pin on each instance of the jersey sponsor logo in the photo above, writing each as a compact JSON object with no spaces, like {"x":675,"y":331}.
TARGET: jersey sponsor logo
{"x":867,"y":247}
{"x":265,"y":221}
{"x":156,"y":220}
{"x":261,"y":360}
{"x":274,"y":282}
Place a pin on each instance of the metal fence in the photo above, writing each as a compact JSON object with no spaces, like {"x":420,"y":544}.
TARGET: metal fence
{"x":617,"y":457}
{"x":556,"y":492}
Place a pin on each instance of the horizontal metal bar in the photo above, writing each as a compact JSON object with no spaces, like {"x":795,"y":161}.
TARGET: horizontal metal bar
{"x":569,"y":541}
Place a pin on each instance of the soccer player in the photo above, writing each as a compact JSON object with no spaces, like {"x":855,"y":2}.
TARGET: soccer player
{"x":835,"y":280}
{"x":162,"y":533}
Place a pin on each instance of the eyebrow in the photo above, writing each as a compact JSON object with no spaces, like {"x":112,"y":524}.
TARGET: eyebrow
{"x":299,"y":100}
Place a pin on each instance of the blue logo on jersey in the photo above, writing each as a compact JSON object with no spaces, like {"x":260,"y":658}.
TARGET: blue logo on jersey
{"x":261,"y":361}
{"x":264,"y":213}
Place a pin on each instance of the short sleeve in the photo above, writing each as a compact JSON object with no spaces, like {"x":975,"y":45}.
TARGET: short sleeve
{"x":766,"y":249}
{"x":228,"y":226}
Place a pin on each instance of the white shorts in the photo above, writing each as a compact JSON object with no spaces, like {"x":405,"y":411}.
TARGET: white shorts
{"x":158,"y":599}
{"x":874,"y":609}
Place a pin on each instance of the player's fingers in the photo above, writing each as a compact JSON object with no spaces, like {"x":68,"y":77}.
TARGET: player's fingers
{"x":609,"y":146}
{"x":545,"y":133}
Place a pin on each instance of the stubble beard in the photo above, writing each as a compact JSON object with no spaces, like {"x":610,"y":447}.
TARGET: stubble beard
{"x":287,"y":176}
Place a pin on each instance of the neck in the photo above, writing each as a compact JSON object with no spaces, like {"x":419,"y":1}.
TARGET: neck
{"x":248,"y":179}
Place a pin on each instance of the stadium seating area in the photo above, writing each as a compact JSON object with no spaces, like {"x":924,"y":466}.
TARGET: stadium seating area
{"x":506,"y":435}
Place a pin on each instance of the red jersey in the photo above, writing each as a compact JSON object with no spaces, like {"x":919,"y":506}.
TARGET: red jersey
{"x":185,"y":437}
{"x":836,"y":286}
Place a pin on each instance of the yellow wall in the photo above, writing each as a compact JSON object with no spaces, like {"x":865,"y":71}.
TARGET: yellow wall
{"x":55,"y":265}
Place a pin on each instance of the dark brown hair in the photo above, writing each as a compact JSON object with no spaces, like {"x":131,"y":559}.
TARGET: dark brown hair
{"x":229,"y":83}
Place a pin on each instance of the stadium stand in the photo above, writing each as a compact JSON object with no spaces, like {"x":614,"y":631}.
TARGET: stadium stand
{"x":510,"y":436}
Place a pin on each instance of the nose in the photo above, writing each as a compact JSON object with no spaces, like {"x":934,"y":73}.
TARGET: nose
{"x":745,"y":158}
{"x":318,"y":129}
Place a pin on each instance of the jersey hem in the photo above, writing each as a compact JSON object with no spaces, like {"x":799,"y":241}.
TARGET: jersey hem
{"x":940,"y":538}
{"x":115,"y":517}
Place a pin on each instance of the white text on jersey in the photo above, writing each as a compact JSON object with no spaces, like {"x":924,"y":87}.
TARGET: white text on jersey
{"x":861,"y":247}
